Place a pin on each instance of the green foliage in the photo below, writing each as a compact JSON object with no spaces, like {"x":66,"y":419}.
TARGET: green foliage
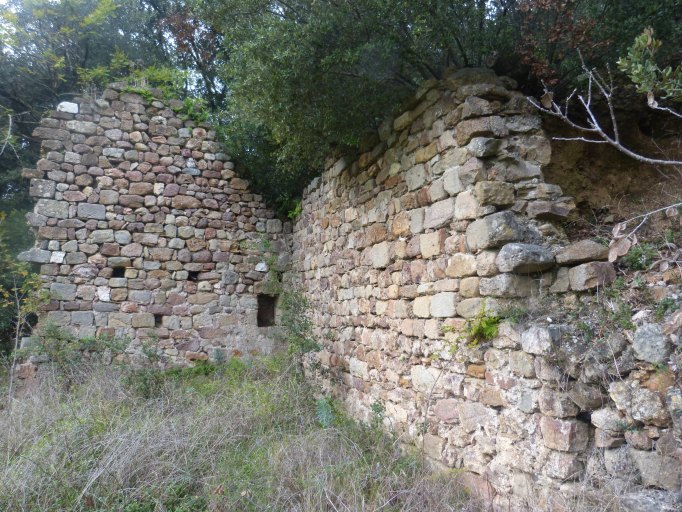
{"x":296,"y":323}
{"x":324,"y":412}
{"x":640,"y":257}
{"x":479,"y":329}
{"x":663,"y":307}
{"x":642,"y":68}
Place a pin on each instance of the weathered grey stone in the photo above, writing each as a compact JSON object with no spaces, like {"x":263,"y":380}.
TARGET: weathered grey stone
{"x":483,"y":147}
{"x":657,"y":470}
{"x":580,"y":252}
{"x":42,"y":188}
{"x":474,"y":416}
{"x":443,"y":305}
{"x":538,"y":340}
{"x":380,"y":255}
{"x":52,"y":208}
{"x":650,"y":344}
{"x":100,"y":236}
{"x":84,"y":127}
{"x":424,"y":378}
{"x":641,"y":404}
{"x":494,"y":231}
{"x":507,"y":285}
{"x":591,"y":275}
{"x":92,"y":211}
{"x":524,"y":258}
{"x":556,"y":403}
{"x":609,"y":419}
{"x":495,"y":193}
{"x":63,"y":291}
{"x":415,"y":177}
{"x":439,"y":214}
{"x":35,"y":256}
{"x":651,"y":500}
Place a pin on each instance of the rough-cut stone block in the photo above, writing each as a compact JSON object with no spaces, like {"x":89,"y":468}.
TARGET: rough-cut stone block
{"x":446,"y":410}
{"x":380,"y":255}
{"x":641,"y":404}
{"x":443,"y":304}
{"x":474,"y":416}
{"x":52,"y":208}
{"x":466,"y":206}
{"x":185,"y":202}
{"x":581,"y":252}
{"x":591,"y":275}
{"x":461,"y":265}
{"x":524,"y":258}
{"x":35,"y":256}
{"x":84,"y":127}
{"x":439,"y":214}
{"x":358,"y":368}
{"x":563,"y":466}
{"x":421,"y":307}
{"x":538,"y":340}
{"x":484,"y":147}
{"x":508,"y":285}
{"x":63,"y":291}
{"x":657,"y":470}
{"x":92,"y":211}
{"x":493,"y":231}
{"x":416,"y":177}
{"x":564,"y":435}
{"x":556,"y":403}
{"x":431,"y":244}
{"x":492,"y":126}
{"x":494,"y":193}
{"x":424,"y":378}
{"x":42,"y":188}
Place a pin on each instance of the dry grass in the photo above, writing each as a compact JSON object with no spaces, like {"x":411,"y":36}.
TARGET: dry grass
{"x":218,"y":439}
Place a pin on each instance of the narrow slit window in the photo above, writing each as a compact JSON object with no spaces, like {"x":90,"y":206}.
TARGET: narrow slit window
{"x":266,"y":310}
{"x":119,"y":272}
{"x":158,"y":320}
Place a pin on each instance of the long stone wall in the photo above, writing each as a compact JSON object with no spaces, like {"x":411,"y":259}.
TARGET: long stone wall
{"x":445,"y":222}
{"x":145,"y":232}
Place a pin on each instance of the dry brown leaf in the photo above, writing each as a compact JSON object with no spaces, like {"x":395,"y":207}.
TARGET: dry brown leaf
{"x":546,"y":99}
{"x":618,"y":230}
{"x":618,"y":247}
{"x":675,"y":322}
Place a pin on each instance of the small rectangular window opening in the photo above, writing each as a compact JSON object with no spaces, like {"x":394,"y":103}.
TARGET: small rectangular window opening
{"x":193,"y":275}
{"x":119,"y":272}
{"x":266,"y":310}
{"x":158,"y":320}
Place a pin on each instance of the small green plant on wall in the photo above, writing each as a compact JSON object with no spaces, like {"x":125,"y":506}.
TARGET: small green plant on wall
{"x":478,"y":329}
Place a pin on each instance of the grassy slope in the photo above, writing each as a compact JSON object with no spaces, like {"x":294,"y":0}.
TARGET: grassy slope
{"x":233,"y":437}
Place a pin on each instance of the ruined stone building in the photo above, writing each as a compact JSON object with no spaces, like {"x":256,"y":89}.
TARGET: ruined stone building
{"x":146,"y":232}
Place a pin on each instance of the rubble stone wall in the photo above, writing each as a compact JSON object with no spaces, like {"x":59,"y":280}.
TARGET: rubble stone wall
{"x":144,"y":230}
{"x":444,"y":223}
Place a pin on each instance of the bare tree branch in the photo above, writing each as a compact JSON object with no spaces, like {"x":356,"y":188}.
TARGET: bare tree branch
{"x":591,"y":123}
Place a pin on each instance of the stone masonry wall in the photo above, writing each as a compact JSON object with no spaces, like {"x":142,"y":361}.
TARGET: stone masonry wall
{"x":448,"y":216}
{"x":144,"y":230}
